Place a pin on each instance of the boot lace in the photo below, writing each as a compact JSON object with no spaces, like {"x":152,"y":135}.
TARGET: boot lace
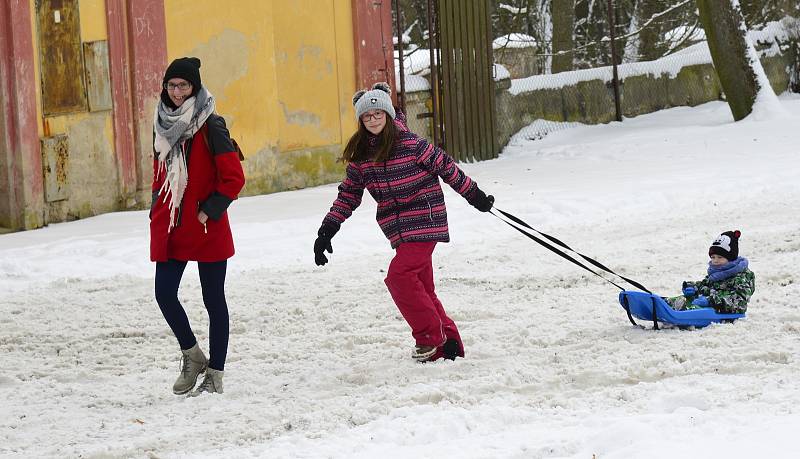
{"x":207,"y":385}
{"x":184,"y":365}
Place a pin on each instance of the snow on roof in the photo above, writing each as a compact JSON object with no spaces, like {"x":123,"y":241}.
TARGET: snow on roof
{"x":416,"y":61}
{"x":413,"y":83}
{"x":514,"y":40}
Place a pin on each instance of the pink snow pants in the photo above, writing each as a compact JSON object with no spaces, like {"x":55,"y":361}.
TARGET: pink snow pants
{"x":410,"y":282}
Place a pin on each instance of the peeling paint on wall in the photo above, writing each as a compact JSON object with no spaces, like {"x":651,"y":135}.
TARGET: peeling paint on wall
{"x":55,"y":158}
{"x":270,"y":171}
{"x":283,"y":73}
{"x":300,"y":117}
{"x":221,"y":66}
{"x":313,"y":51}
{"x":90,"y":175}
{"x":98,"y":80}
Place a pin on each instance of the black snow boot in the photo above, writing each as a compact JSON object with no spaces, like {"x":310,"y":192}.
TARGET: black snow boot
{"x":451,"y":349}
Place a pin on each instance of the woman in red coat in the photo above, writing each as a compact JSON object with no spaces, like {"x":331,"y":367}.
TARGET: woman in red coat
{"x":196,"y":176}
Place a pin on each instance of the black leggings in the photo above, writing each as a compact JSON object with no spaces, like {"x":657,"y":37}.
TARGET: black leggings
{"x":212,"y":282}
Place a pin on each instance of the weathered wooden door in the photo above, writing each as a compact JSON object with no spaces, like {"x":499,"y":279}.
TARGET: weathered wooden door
{"x":466,"y":78}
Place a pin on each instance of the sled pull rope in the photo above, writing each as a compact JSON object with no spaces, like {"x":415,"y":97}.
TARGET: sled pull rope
{"x":561,"y":253}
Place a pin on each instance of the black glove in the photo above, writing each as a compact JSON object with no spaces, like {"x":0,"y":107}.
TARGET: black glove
{"x":323,"y":243}
{"x":480,"y":201}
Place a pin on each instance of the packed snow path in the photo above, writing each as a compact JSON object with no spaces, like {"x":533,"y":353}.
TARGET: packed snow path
{"x":319,"y":366}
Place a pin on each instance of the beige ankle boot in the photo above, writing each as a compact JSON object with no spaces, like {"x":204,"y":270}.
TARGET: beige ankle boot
{"x":193,"y":362}
{"x":212,"y":383}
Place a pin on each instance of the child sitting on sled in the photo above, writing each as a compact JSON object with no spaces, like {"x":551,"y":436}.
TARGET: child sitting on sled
{"x":729,"y":284}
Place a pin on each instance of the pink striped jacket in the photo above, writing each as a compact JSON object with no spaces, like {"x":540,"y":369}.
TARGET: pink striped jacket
{"x":406,"y":187}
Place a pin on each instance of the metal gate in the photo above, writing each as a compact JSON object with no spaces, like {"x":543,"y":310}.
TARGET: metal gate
{"x":461,"y":76}
{"x":466,"y":81}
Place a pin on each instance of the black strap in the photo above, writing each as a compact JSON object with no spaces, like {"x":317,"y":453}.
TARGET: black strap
{"x":627,"y":306}
{"x":564,"y":255}
{"x":655,"y":314}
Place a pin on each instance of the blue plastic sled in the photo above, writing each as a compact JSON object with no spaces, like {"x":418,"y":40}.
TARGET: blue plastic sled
{"x":653,"y":308}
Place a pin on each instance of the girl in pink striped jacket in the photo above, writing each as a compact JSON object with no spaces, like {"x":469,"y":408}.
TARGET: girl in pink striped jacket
{"x":401,"y":171}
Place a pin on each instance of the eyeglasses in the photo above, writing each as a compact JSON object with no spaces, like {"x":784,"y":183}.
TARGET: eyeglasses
{"x":182,"y":86}
{"x":378,"y":115}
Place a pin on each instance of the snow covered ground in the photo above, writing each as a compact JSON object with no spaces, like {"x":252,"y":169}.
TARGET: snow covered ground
{"x":319,"y":357}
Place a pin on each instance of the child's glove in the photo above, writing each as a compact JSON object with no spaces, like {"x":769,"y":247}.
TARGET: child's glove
{"x":689,"y":290}
{"x":322,"y":244}
{"x":480,"y":201}
{"x":701,"y":301}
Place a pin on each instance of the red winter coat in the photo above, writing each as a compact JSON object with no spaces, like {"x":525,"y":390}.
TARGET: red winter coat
{"x":215,"y":179}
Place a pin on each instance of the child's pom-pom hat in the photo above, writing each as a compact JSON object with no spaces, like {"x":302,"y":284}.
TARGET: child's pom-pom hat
{"x":726,"y":245}
{"x":377,"y":98}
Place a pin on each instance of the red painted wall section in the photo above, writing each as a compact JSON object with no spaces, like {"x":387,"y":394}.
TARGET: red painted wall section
{"x":18,"y":86}
{"x":147,"y":32}
{"x":138,"y":53}
{"x":121,"y":95}
{"x":374,"y":52}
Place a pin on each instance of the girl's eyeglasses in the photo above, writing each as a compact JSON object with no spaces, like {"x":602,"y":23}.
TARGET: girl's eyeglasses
{"x":366,"y":117}
{"x":182,"y":86}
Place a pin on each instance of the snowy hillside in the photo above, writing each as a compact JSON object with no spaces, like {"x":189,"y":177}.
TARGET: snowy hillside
{"x":319,"y":364}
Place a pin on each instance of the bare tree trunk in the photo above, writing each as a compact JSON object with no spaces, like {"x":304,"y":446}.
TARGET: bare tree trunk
{"x":724,"y":25}
{"x":563,"y":12}
{"x":545,"y":14}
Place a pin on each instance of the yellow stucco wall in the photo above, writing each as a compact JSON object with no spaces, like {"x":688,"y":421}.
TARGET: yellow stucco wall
{"x":93,"y":20}
{"x":283,"y":73}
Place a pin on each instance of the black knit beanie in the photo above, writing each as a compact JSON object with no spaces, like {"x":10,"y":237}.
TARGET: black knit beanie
{"x":726,"y":245}
{"x":187,"y":68}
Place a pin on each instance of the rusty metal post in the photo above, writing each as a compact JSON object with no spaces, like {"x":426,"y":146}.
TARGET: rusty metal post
{"x":401,"y":95}
{"x":614,"y":59}
{"x":434,"y":75}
